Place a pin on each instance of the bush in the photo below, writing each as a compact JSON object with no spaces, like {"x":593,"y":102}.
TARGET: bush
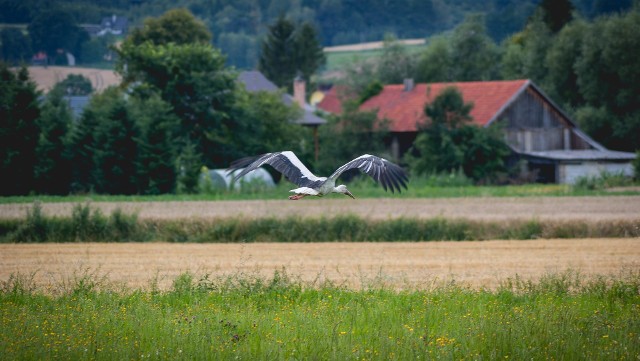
{"x":603,"y":181}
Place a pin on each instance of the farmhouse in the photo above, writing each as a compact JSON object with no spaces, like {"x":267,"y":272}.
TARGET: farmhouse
{"x":535,"y":128}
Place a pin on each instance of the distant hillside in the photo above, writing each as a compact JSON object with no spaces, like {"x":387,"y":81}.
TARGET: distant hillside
{"x":239,"y":25}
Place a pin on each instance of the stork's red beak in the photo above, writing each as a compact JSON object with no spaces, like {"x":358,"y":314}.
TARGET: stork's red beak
{"x":347,"y":193}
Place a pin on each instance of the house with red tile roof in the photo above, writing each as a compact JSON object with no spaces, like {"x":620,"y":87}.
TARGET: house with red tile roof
{"x":535,"y":128}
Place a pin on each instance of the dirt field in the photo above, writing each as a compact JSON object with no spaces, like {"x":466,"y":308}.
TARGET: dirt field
{"x":477,"y":208}
{"x":400,"y":265}
{"x":46,"y":77}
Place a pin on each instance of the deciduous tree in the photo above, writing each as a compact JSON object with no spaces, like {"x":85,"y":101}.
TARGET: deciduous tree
{"x":74,"y":84}
{"x":177,"y":26}
{"x":447,"y":142}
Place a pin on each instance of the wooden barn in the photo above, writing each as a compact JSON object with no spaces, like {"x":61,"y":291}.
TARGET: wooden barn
{"x":536,"y":129}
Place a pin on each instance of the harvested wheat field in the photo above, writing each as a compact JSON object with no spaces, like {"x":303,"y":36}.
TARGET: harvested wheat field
{"x":398,"y":265}
{"x":477,"y":208}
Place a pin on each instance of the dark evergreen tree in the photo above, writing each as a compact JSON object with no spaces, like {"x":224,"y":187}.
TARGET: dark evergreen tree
{"x":189,"y":166}
{"x":53,"y":168}
{"x":156,"y":160}
{"x":278,"y":54}
{"x":309,"y":53}
{"x":19,"y":111}
{"x":556,"y":13}
{"x":115,"y":150}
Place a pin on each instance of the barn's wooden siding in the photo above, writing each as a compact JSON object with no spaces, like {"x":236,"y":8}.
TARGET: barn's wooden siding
{"x":532,"y":124}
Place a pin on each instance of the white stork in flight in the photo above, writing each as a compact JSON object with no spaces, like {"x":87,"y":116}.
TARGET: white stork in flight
{"x":389,"y":175}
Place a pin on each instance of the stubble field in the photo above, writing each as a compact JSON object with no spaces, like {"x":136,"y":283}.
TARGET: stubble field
{"x":475,"y":208}
{"x":397,"y":265}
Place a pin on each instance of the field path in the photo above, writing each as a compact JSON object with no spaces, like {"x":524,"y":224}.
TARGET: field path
{"x":476,"y":208}
{"x":398,"y":265}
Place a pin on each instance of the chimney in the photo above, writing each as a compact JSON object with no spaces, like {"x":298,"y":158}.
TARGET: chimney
{"x":299,"y":91}
{"x":408,"y":84}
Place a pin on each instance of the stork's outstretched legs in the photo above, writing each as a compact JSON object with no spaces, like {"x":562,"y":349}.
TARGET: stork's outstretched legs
{"x":295,"y":197}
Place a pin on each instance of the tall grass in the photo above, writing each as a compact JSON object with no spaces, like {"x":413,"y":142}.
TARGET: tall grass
{"x":560,"y":317}
{"x":90,"y":225}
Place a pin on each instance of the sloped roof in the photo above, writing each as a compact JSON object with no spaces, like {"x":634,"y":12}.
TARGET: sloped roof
{"x":405,"y":108}
{"x":331,"y":102}
{"x":255,"y":81}
{"x":582,"y":154}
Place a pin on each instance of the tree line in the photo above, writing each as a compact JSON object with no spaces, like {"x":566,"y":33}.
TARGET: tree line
{"x":590,"y":68}
{"x":239,"y":26}
{"x":178,"y":108}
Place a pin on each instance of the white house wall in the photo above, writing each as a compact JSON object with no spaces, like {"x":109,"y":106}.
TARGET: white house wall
{"x":569,"y":173}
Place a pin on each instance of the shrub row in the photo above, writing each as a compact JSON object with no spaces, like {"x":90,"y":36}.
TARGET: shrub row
{"x":90,"y":225}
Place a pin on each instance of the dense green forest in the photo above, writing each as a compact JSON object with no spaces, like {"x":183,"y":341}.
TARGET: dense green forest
{"x":238,"y":26}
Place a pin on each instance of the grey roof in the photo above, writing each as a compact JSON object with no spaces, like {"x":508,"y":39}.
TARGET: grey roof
{"x":586,"y":154}
{"x":255,"y":81}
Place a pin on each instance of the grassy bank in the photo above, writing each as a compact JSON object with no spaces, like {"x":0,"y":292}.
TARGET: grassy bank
{"x":560,"y":317}
{"x":434,"y":187}
{"x":90,"y":225}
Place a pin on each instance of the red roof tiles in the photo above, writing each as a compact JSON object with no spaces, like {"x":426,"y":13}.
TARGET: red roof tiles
{"x":406,"y":108}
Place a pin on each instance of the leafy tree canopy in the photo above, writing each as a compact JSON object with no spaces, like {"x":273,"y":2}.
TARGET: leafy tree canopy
{"x":447,"y":142}
{"x":177,"y":26}
{"x":74,"y":84}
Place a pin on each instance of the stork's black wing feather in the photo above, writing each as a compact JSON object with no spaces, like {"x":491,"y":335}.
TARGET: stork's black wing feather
{"x":391,"y":176}
{"x":284,"y":162}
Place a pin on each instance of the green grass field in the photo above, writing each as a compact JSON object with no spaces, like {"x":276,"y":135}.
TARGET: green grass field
{"x":362,"y":188}
{"x":339,"y":60}
{"x":243,"y":317}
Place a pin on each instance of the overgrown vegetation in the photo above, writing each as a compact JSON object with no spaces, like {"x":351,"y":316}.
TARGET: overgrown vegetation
{"x":561,"y":316}
{"x":90,"y":225}
{"x":449,"y":142}
{"x":603,"y":181}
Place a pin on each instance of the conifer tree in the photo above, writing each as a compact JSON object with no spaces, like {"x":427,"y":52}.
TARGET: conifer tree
{"x":310,"y":55}
{"x":277,"y":58}
{"x":289,"y":51}
{"x":19,"y":132}
{"x":52,"y":168}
